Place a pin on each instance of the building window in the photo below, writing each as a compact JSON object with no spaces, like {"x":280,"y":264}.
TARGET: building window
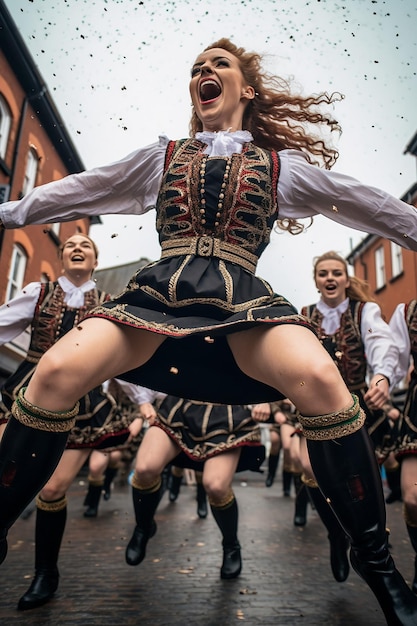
{"x":5,"y":125}
{"x":396,"y":259}
{"x":17,"y":272}
{"x":380,"y":267}
{"x":32,"y":163}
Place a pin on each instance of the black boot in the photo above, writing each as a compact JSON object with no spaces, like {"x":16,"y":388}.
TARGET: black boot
{"x":109,"y":476}
{"x":412,"y":533}
{"x":93,"y":497}
{"x":286,"y":482}
{"x":301,"y":501}
{"x":50,"y":524}
{"x":394,"y":483}
{"x":273,"y":461}
{"x":174,"y":487}
{"x":348,"y":475}
{"x":28,"y":457}
{"x":339,"y":542}
{"x":201,"y":501}
{"x":145,"y":503}
{"x":226,"y":518}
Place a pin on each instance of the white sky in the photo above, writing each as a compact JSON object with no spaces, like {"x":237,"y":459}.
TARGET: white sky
{"x":118,"y":72}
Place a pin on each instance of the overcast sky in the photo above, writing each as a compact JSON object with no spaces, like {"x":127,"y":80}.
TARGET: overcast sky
{"x":118,"y":71}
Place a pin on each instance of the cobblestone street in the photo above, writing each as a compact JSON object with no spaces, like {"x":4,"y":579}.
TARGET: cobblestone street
{"x":286,"y":577}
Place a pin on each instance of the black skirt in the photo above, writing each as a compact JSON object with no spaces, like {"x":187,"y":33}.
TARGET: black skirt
{"x":205,"y":430}
{"x":195,"y":302}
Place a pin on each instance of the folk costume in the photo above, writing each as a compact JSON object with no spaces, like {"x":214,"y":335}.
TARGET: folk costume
{"x":217,"y":198}
{"x":358,"y":340}
{"x":403,"y":324}
{"x":52,"y":309}
{"x":201,"y":431}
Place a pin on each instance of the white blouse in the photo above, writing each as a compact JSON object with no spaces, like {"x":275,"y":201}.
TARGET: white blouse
{"x":131,"y":185}
{"x":381,"y":348}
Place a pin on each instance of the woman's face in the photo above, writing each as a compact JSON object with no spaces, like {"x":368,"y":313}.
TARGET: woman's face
{"x":78,"y":256}
{"x":332,"y":281}
{"x":218,"y":90}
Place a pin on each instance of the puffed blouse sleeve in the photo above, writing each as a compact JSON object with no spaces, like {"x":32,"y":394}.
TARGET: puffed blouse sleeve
{"x":17,"y":314}
{"x":128,"y":186}
{"x":305,"y":190}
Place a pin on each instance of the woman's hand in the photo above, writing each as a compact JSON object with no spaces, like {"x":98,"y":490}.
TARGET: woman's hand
{"x":147,"y":410}
{"x":378,"y":392}
{"x":261,"y":412}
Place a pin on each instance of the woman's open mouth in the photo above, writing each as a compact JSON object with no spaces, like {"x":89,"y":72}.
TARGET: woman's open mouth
{"x":209,"y":90}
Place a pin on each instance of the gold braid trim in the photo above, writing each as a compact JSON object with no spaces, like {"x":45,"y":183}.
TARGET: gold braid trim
{"x":225,"y":502}
{"x":51,"y":507}
{"x":309,"y":482}
{"x":96,"y":482}
{"x":410,"y":522}
{"x":334,"y":425}
{"x":143,"y":487}
{"x":42,"y":419}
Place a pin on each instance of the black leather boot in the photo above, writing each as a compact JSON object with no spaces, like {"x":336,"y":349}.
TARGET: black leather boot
{"x":348,"y":475}
{"x":286,"y":482}
{"x":28,"y":457}
{"x":50,"y":525}
{"x":201,"y":501}
{"x":273,"y":461}
{"x":93,"y":497}
{"x":412,"y":533}
{"x":174,"y":487}
{"x":339,"y":541}
{"x":226,"y":518}
{"x":394,"y":483}
{"x":109,"y":476}
{"x":145,"y":504}
{"x":301,"y":501}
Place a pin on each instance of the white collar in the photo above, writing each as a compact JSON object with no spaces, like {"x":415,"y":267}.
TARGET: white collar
{"x":224,"y":142}
{"x":332,"y":315}
{"x":74,"y":296}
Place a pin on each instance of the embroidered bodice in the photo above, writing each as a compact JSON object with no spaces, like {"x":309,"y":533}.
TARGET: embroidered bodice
{"x":53,"y":318}
{"x":230,"y":198}
{"x":345,"y":346}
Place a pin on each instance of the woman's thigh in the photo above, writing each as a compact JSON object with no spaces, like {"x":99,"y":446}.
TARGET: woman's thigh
{"x":94,"y":351}
{"x":291,"y":359}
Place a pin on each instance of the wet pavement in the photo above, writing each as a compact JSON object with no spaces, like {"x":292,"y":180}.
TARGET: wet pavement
{"x":286,"y":577}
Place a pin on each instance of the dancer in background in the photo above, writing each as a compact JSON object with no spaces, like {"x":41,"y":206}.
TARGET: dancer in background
{"x":349,"y":324}
{"x":52,"y":309}
{"x":216,"y":440}
{"x":403,"y":324}
{"x":199,"y":323}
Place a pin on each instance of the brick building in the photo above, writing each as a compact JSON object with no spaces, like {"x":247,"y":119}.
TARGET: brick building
{"x":35,"y":148}
{"x":391,"y":271}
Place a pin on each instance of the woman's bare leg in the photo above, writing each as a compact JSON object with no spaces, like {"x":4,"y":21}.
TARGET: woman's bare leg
{"x":85,"y":357}
{"x":154,"y":453}
{"x":291,"y":359}
{"x":217,"y":479}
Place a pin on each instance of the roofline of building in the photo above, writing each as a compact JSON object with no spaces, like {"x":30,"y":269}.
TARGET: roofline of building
{"x":20,"y":59}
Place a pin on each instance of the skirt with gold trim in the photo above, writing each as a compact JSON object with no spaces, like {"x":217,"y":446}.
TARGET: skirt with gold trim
{"x":204,"y":430}
{"x":195,"y":302}
{"x":101,"y":424}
